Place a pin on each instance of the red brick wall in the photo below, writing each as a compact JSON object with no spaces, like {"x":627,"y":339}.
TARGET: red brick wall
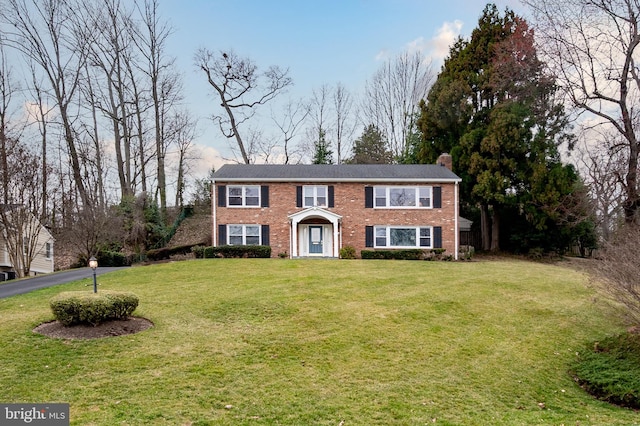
{"x":349,"y":202}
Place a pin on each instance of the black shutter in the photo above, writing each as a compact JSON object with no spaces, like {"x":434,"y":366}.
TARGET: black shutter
{"x":265,"y":235}
{"x":368,"y":236}
{"x":437,"y":197}
{"x":437,"y":237}
{"x":298,"y":196}
{"x":330,"y":195}
{"x":264,"y":196}
{"x":222,"y":235}
{"x":368,"y":197}
{"x":222,"y":196}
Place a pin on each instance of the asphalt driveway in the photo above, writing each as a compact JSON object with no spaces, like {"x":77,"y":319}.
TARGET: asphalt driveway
{"x":15,"y":287}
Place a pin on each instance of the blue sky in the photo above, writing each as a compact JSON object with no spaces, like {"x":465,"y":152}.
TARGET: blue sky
{"x":320,"y":42}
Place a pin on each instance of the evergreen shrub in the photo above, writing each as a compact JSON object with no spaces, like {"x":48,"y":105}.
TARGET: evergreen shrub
{"x":610,"y":370}
{"x":250,"y":251}
{"x":409,"y":254}
{"x":79,"y":307}
{"x":347,"y":252}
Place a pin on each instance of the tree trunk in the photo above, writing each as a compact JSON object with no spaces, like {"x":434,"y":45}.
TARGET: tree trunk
{"x":495,"y":230}
{"x":485,"y":227}
{"x":631,"y":203}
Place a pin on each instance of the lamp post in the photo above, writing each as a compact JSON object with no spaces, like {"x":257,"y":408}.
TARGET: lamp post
{"x":93,"y":264}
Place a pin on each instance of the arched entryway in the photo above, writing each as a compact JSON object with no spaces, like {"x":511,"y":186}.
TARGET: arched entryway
{"x":315,"y":232}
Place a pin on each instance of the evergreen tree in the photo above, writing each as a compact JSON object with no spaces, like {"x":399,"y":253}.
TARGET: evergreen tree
{"x":371,"y":148}
{"x":493,"y":109}
{"x":322,"y":150}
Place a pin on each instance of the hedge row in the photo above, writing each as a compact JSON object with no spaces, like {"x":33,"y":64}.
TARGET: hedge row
{"x":76,"y":307}
{"x":253,"y":251}
{"x":166,"y":252}
{"x":408,"y":254}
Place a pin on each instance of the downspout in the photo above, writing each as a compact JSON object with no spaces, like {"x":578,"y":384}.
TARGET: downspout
{"x":291,"y":239}
{"x":214,"y":202}
{"x":340,"y":235}
{"x":457,"y":225}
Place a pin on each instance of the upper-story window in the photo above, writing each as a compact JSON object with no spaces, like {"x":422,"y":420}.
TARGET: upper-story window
{"x":243,"y":196}
{"x":403,"y":196}
{"x":315,"y":196}
{"x":48,"y":252}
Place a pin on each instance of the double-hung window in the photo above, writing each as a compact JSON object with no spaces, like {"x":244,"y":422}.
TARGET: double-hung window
{"x":242,"y":235}
{"x":402,"y":196}
{"x":243,"y":196}
{"x":315,"y":196}
{"x":403,"y":236}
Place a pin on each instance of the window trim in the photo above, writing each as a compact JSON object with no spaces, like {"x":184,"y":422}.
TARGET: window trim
{"x":243,"y":197}
{"x":315,"y":196}
{"x":387,"y":236}
{"x":244,"y":234}
{"x":387,"y":189}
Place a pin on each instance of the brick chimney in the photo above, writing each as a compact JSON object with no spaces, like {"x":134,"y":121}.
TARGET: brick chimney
{"x":445,"y":160}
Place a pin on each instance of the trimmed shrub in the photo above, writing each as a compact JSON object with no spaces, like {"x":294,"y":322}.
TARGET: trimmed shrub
{"x":198,"y":251}
{"x":79,"y":307}
{"x":347,"y":252}
{"x":252,"y":251}
{"x":437,"y":254}
{"x":409,"y":254}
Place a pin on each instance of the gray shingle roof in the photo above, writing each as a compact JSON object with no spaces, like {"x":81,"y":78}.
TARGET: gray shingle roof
{"x":334,"y":173}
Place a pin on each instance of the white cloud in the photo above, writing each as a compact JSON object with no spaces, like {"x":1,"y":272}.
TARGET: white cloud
{"x":207,"y":157}
{"x":418,"y":45}
{"x":438,"y":46}
{"x":382,"y":55}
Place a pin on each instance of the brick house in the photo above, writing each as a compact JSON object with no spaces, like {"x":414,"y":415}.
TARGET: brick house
{"x":314,"y":210}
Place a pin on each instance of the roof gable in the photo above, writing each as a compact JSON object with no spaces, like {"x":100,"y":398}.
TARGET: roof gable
{"x":335,"y":173}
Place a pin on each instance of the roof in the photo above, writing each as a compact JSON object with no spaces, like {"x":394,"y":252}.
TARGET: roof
{"x":464,"y":223}
{"x":334,"y":173}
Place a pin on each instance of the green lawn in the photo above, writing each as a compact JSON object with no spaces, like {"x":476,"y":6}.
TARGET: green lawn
{"x":320,"y":342}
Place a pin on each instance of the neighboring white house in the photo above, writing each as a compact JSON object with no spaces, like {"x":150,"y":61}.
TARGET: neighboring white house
{"x":37,"y":244}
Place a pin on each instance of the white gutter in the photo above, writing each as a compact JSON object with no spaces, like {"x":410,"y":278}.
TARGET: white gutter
{"x":336,"y":180}
{"x":457,"y":225}
{"x":214,"y":203}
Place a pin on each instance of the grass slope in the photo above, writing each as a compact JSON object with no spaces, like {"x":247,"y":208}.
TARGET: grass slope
{"x":297,"y":342}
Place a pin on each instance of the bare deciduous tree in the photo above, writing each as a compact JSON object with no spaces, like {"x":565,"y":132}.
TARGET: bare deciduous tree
{"x":603,"y":170}
{"x":43,"y":31}
{"x":7,"y":90}
{"x":592,"y":47}
{"x":293,"y":116}
{"x":181,"y":131}
{"x":20,"y":216}
{"x":241,"y":88}
{"x":619,"y":269}
{"x":345,"y":122}
{"x":164,"y":82}
{"x":392,"y":96}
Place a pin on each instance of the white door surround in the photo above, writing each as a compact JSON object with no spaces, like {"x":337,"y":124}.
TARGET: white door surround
{"x":302,"y":235}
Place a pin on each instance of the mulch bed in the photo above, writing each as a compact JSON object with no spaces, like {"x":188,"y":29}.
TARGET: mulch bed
{"x":108,"y":329}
